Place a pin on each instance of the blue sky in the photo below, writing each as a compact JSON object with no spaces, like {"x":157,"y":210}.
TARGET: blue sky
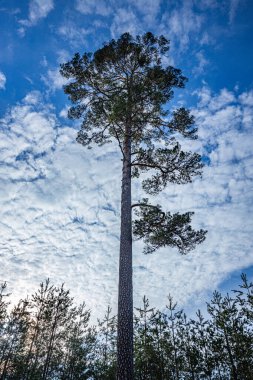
{"x":60,"y":204}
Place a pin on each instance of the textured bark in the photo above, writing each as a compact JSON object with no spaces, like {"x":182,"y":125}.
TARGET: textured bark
{"x":125,"y":300}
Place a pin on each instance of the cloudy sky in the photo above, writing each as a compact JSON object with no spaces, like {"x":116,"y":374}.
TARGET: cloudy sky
{"x":60,"y":203}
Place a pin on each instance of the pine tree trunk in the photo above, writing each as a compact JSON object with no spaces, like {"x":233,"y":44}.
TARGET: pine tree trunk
{"x":125,"y":300}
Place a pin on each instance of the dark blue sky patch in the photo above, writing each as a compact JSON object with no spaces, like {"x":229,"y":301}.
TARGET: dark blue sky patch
{"x":27,"y":154}
{"x":78,"y":219}
{"x":210,"y":147}
{"x":206,"y":160}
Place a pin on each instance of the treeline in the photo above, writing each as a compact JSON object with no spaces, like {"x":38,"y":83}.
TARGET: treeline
{"x":47,"y":337}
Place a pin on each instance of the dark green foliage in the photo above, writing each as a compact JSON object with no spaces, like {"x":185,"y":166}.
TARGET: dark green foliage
{"x":125,"y":84}
{"x":167,"y":345}
{"x":14,"y":340}
{"x":123,"y":80}
{"x":171,"y":165}
{"x":233,"y":334}
{"x":79,"y":341}
{"x":105,"y":347}
{"x":159,"y":229}
{"x":143,"y":342}
{"x":45,"y":337}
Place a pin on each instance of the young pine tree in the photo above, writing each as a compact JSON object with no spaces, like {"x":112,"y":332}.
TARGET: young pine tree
{"x":223,"y":311}
{"x":105,"y":360}
{"x":78,"y":344}
{"x":143,"y":341}
{"x":121,"y":92}
{"x":12,"y":355}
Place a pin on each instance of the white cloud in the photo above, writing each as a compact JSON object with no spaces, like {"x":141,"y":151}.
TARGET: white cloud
{"x":33,"y":98}
{"x":64,"y":112}
{"x":215,"y":102}
{"x":2,"y":80}
{"x":60,"y":217}
{"x":202,"y":63}
{"x":63,"y":56}
{"x":222,"y":201}
{"x":182,"y":24}
{"x":38,"y":9}
{"x":207,"y":38}
{"x":125,"y":20}
{"x":54,"y":80}
{"x":74,"y":35}
{"x":246,"y":98}
{"x":29,"y":132}
{"x":57,"y":210}
{"x":99,"y":7}
{"x":148,"y":8}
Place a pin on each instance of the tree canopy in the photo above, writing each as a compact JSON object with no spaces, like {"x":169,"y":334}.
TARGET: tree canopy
{"x":125,"y":83}
{"x":40,"y":341}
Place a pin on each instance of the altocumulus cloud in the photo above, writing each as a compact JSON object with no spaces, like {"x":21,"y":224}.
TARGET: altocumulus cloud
{"x":222,"y":199}
{"x":60,"y":206}
{"x":59,"y":219}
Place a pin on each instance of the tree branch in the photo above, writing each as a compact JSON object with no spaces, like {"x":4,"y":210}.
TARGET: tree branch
{"x":151,"y":206}
{"x":161,"y":168}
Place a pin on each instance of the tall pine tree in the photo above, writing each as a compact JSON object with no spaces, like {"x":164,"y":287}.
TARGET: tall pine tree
{"x":121,"y":92}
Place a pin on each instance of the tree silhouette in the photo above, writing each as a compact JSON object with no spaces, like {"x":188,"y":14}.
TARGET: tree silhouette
{"x":121,"y":91}
{"x":167,"y":344}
